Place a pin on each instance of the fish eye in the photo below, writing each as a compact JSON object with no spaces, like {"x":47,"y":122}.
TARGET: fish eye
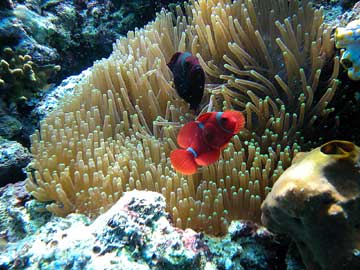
{"x":209,"y":137}
{"x":197,"y":68}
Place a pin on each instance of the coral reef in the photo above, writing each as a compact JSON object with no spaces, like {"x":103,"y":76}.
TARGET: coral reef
{"x":20,"y":29}
{"x":115,"y":134}
{"x":49,"y":34}
{"x":71,"y":33}
{"x":316,"y":201}
{"x":348,"y":39}
{"x":135,"y":234}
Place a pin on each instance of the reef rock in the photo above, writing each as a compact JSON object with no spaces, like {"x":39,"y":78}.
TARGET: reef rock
{"x":133,"y":234}
{"x":317,"y":202}
{"x":13,"y":158}
{"x":51,"y":99}
{"x":20,"y":216}
{"x":136,"y":233}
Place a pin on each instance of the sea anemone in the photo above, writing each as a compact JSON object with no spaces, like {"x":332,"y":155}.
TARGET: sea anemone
{"x":273,"y":60}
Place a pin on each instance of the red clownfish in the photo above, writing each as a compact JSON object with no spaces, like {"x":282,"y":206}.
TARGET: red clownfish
{"x":203,"y":139}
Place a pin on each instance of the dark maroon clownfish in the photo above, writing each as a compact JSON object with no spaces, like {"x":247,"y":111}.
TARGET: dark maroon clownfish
{"x":189,"y":77}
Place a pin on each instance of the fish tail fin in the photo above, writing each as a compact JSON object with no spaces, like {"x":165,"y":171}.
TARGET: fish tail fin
{"x":183,"y":161}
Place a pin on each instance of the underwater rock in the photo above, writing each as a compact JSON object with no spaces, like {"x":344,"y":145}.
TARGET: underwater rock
{"x":39,"y":27}
{"x":317,"y":202}
{"x":331,"y":10}
{"x":19,"y":215}
{"x":51,"y":98}
{"x":139,"y":216}
{"x":135,"y":233}
{"x":13,"y":158}
{"x":6,"y":4}
{"x":250,"y":246}
{"x":10,"y":127}
{"x":350,"y":15}
{"x":347,"y":3}
{"x":19,"y":37}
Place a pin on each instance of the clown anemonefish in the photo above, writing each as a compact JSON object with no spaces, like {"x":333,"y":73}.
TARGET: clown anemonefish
{"x":203,"y":139}
{"x":189,"y":77}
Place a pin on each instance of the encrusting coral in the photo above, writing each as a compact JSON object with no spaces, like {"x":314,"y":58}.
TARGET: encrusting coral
{"x":316,"y":202}
{"x":116,"y":133}
{"x":347,"y":38}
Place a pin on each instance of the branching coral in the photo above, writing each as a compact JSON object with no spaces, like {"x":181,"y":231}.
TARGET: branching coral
{"x":19,"y":76}
{"x":117,"y":132}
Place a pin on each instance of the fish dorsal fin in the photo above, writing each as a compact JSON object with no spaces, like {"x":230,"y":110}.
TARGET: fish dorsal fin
{"x":204,"y":117}
{"x":236,"y":117}
{"x":173,"y":60}
{"x":187,"y":134}
{"x":207,"y":158}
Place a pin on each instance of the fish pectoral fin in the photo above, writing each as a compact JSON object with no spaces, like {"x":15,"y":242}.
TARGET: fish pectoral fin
{"x":183,"y":161}
{"x":207,"y":158}
{"x":187,"y":134}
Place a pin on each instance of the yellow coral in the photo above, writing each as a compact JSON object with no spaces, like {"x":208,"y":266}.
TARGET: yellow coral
{"x":20,"y":76}
{"x":348,"y":38}
{"x":117,"y":131}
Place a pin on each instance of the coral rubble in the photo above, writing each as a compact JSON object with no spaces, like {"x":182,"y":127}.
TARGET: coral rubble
{"x":316,"y":201}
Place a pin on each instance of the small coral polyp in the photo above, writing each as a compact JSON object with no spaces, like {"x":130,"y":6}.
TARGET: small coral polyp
{"x":348,"y":38}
